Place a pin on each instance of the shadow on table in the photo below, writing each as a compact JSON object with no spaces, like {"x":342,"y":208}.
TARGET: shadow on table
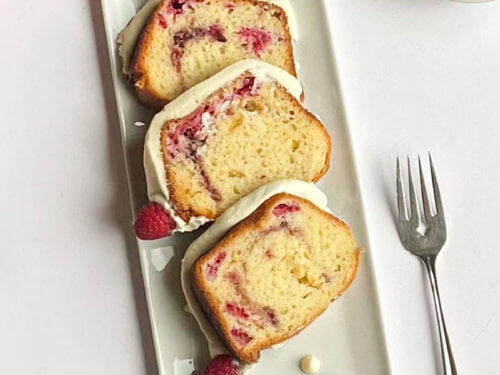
{"x":120,"y":210}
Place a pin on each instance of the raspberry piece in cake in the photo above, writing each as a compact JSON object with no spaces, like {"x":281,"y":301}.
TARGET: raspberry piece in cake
{"x":284,"y":208}
{"x":248,"y":87}
{"x":237,"y":311}
{"x":177,"y":6}
{"x":189,"y":133}
{"x":257,"y":40}
{"x":161,"y":21}
{"x":241,"y":337}
{"x":213,"y":267}
{"x":271,"y":317}
{"x":257,"y":300}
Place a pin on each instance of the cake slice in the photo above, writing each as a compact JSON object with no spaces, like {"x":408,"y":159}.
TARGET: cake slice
{"x":274,"y":273}
{"x":186,"y":41}
{"x":238,"y":130}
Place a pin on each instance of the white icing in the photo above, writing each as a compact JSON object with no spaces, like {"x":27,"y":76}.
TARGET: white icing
{"x":241,"y":210}
{"x":206,"y":119}
{"x":246,"y":368}
{"x":128,"y":37}
{"x":310,"y":364}
{"x":277,"y":346}
{"x":183,"y":366}
{"x":161,"y":256}
{"x":185,"y":104}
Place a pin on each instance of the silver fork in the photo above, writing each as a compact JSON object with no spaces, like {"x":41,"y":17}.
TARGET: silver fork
{"x":425,"y":242}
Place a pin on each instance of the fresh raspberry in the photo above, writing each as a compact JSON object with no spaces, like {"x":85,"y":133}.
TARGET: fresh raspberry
{"x":222,"y":365}
{"x":153,"y":222}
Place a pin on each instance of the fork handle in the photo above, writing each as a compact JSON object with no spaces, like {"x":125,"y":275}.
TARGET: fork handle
{"x":446,"y":353}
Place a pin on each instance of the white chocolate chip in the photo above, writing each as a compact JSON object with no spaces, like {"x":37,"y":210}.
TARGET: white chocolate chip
{"x":310,"y":364}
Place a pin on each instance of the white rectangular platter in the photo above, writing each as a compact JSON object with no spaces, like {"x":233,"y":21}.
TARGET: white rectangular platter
{"x":348,"y":338}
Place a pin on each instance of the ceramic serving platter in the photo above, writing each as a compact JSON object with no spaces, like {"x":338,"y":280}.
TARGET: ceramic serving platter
{"x":348,"y":338}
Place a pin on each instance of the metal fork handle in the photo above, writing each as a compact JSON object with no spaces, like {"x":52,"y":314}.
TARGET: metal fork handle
{"x":446,"y":353}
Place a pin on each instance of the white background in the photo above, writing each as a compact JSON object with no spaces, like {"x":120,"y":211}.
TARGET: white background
{"x":417,"y":75}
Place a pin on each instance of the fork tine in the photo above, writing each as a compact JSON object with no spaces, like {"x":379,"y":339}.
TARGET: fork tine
{"x":425,"y":196}
{"x":437,"y":194}
{"x":401,"y":198}
{"x":414,"y":214}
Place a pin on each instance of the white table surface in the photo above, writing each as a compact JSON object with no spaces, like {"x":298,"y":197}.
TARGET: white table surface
{"x":417,"y":75}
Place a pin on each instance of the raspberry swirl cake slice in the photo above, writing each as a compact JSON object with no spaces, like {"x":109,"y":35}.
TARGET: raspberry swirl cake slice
{"x":273,"y":273}
{"x":187,"y":41}
{"x":222,"y":139}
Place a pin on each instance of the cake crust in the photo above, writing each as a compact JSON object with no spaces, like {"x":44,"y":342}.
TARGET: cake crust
{"x":206,"y":300}
{"x":148,"y":96}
